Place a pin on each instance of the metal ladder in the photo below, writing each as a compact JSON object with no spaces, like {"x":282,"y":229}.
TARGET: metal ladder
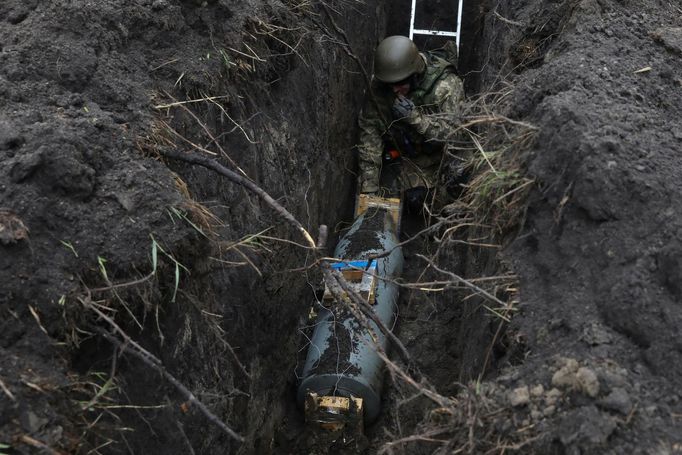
{"x":437,"y":32}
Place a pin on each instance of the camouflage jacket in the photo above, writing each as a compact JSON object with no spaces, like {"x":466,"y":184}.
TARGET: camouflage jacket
{"x":438,"y":91}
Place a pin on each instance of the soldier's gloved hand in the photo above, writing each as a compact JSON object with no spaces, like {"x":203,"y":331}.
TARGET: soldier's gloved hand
{"x":402,"y":107}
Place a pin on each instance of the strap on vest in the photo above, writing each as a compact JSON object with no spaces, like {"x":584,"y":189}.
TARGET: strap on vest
{"x":436,"y":68}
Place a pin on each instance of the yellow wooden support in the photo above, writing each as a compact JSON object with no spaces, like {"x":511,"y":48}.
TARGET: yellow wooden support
{"x":333,"y":413}
{"x":364,"y":282}
{"x":392,"y":205}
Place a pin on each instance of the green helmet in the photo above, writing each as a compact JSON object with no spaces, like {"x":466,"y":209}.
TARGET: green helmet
{"x":397,"y":58}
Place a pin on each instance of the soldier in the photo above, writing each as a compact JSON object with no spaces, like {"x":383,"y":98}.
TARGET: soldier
{"x":407,"y":87}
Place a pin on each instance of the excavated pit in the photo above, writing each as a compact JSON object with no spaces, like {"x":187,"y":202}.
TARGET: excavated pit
{"x":449,"y":334}
{"x":190,"y":265}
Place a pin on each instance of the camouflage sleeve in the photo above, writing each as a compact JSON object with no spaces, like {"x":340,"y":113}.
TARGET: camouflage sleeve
{"x":449,"y":98}
{"x":370,"y":148}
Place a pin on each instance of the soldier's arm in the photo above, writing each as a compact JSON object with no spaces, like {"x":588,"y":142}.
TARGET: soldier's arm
{"x":370,"y":148}
{"x":449,"y":96}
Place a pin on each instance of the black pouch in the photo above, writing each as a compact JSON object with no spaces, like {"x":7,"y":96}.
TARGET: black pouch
{"x":415,"y":199}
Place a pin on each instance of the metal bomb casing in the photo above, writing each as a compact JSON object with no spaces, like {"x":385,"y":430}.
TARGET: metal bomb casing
{"x":342,"y":359}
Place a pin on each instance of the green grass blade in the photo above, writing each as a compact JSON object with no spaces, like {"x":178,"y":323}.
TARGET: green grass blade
{"x":155,"y":256}
{"x":177,"y":280}
{"x":103,"y":270}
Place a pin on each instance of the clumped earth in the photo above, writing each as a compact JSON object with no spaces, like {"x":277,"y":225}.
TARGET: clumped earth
{"x":188,"y":265}
{"x":600,"y":314}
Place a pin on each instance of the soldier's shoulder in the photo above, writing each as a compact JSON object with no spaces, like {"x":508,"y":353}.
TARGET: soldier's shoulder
{"x":449,"y":83}
{"x":450,"y":79}
{"x":447,"y":53}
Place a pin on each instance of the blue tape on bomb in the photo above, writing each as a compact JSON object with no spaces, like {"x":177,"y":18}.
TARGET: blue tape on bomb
{"x":354,"y":265}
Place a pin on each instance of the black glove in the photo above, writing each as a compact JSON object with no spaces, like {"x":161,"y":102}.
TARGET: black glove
{"x":402,"y":107}
{"x":415,"y":199}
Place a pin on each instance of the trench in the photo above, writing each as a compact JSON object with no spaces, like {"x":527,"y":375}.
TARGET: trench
{"x":450,"y":334}
{"x":262,"y":310}
{"x":211,"y":282}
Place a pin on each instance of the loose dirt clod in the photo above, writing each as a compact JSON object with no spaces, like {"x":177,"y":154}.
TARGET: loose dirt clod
{"x":565,"y":377}
{"x":12,"y":229}
{"x":587,"y":381}
{"x":618,"y":400}
{"x":519,"y":397}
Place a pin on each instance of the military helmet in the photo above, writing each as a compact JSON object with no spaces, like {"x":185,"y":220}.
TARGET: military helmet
{"x":397,"y":58}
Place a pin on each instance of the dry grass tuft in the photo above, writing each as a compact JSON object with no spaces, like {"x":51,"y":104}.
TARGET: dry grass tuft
{"x":197,"y":214}
{"x":473,"y":230}
{"x":496,"y":192}
{"x":478,"y":420}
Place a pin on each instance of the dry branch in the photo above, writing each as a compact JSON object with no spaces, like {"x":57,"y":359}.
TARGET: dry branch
{"x":180,"y":103}
{"x":28,"y":440}
{"x":364,"y":307}
{"x":338,"y":285}
{"x":243,"y":181}
{"x":465,"y":282}
{"x":131,"y":347}
{"x":7,"y":391}
{"x":208,"y":133}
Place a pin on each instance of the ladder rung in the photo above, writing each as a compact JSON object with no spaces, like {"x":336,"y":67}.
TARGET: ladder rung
{"x":456,"y":34}
{"x":434,"y":32}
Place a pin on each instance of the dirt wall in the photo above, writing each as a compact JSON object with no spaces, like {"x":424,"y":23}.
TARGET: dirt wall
{"x":269,"y":88}
{"x":601,"y":81}
{"x":588,"y":362}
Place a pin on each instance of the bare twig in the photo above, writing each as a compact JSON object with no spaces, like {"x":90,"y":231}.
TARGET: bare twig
{"x":169,"y":62}
{"x":507,"y":21}
{"x":235,"y":359}
{"x":6,"y":390}
{"x":124,"y":285}
{"x":422,"y":388}
{"x":248,"y":184}
{"x":131,"y":347}
{"x":464,"y":281}
{"x":185,"y":438}
{"x":28,"y":440}
{"x":236,"y":125}
{"x":254,"y":56}
{"x":35,"y":315}
{"x":208,"y":133}
{"x":181,"y":103}
{"x":86,"y":302}
{"x":184,"y":139}
{"x":147,"y":358}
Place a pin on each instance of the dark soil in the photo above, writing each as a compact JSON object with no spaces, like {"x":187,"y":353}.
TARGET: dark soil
{"x":367,"y":237}
{"x":89,"y":212}
{"x":595,"y":254}
{"x":83,"y":193}
{"x":593,"y":344}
